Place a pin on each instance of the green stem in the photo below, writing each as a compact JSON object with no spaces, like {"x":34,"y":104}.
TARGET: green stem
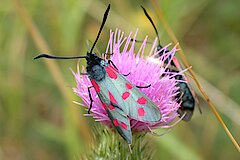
{"x":109,"y":145}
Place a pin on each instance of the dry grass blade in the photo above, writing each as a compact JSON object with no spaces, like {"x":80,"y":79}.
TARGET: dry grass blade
{"x":187,"y":65}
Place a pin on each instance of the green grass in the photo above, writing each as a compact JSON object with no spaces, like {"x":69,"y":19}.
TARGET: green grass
{"x":38,"y":120}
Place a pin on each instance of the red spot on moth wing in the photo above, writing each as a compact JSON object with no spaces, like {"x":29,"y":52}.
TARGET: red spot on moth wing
{"x":95,"y":85}
{"x":142,"y":100}
{"x":111,"y":73}
{"x":141,"y":112}
{"x":125,"y":95}
{"x":111,"y":107}
{"x":112,"y":99}
{"x":129,"y":85}
{"x":104,"y":105}
{"x":176,"y":62}
{"x":123,"y":125}
{"x":115,"y":122}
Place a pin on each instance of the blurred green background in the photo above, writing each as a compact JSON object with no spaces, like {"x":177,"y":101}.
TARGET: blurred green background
{"x":37,"y":117}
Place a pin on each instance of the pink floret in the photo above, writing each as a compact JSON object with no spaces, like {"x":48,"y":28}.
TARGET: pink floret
{"x":145,"y":70}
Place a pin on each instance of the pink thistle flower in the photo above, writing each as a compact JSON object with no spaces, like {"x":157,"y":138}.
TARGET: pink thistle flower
{"x":143,"y":72}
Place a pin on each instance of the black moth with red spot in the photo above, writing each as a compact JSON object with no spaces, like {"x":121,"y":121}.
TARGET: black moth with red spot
{"x":186,"y":96}
{"x":121,"y":99}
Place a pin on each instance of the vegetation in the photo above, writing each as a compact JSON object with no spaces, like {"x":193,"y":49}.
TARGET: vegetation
{"x":37,"y":117}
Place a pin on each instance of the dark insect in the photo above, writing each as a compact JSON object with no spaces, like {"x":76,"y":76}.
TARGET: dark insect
{"x":121,"y":99}
{"x":186,"y":95}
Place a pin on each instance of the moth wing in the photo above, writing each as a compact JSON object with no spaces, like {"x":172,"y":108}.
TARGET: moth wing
{"x":137,"y":105}
{"x":188,"y":95}
{"x":121,"y":122}
{"x":142,"y":108}
{"x":116,"y":114}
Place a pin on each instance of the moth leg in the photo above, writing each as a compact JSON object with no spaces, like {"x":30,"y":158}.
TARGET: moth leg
{"x":91,"y":100}
{"x":144,"y":86}
{"x":126,"y":74}
{"x":84,"y":74}
{"x":104,"y":55}
{"x":116,"y":106}
{"x":111,"y":62}
{"x":108,"y":54}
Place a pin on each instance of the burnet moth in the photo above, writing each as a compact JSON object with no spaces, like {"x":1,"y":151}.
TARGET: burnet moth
{"x":186,"y":96}
{"x":121,"y":99}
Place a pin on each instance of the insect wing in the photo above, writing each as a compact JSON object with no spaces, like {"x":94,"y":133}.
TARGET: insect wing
{"x":121,"y":99}
{"x":188,"y":97}
{"x":184,"y":86}
{"x":129,"y":98}
{"x":120,"y":122}
{"x":118,"y":117}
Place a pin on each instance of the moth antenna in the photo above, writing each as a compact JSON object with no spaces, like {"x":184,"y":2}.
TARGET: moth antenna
{"x":150,"y":19}
{"x":100,"y":30}
{"x":57,"y":57}
{"x":88,"y":45}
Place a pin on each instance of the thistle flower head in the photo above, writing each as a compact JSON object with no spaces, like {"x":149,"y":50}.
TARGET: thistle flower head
{"x":143,"y":71}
